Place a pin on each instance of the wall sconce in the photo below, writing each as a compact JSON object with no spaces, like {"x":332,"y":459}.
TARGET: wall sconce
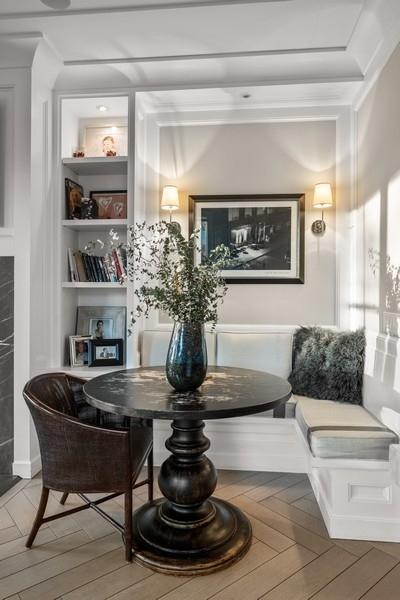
{"x":170,"y":199}
{"x":323,"y":200}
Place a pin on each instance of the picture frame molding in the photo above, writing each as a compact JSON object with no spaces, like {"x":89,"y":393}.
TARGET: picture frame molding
{"x":299,"y":197}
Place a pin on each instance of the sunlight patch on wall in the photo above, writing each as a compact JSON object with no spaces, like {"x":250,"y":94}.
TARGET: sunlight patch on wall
{"x":372,"y":213}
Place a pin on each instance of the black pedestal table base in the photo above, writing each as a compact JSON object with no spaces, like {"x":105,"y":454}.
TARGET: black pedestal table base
{"x":189,"y":532}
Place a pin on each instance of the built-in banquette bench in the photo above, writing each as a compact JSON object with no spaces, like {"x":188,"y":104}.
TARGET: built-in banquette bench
{"x":343,"y":448}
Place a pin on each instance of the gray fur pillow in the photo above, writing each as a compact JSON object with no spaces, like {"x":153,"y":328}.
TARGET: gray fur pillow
{"x":328,"y":364}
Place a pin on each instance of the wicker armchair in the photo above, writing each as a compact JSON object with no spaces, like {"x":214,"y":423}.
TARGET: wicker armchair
{"x":83,"y":457}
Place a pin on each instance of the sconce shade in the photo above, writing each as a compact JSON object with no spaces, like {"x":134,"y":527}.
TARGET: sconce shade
{"x":170,"y":198}
{"x":322,"y":195}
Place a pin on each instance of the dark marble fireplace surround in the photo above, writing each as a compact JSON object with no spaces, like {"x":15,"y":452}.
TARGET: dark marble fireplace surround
{"x":6,"y":372}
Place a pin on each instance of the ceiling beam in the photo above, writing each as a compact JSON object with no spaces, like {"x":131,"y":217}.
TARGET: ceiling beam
{"x":150,"y":6}
{"x":206,"y":56}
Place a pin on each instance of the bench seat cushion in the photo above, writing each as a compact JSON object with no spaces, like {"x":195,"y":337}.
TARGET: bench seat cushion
{"x":336,"y":430}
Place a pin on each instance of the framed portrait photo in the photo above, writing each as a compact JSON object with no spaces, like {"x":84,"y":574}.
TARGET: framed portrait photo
{"x":106,"y":140}
{"x":106,"y":353}
{"x":110,"y":204}
{"x":264,"y":233}
{"x":101,"y":322}
{"x":73,"y":198}
{"x":79,"y":350}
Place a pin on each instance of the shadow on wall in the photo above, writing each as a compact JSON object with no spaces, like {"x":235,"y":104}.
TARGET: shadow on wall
{"x":382,"y":375}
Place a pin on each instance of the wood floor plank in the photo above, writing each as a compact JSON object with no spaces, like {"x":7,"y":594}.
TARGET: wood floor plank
{"x":41,"y":553}
{"x":240,"y":487}
{"x":151,"y":588}
{"x":275,"y":486}
{"x":11,"y":533}
{"x":294,"y":492}
{"x":267,"y":576}
{"x":200,"y":588}
{"x":388,"y":588}
{"x":95,"y":526}
{"x":13,"y":491}
{"x":93,"y":575}
{"x":109,"y":583}
{"x":228,"y":477}
{"x":302,"y":536}
{"x":359,"y":578}
{"x":5,"y":519}
{"x":313,"y":577}
{"x":309,"y":506}
{"x":22,"y":512}
{"x":274,"y":539}
{"x":17,"y":546}
{"x":82,"y":554}
{"x":389,"y":547}
{"x":296,"y":515}
{"x":356,"y":547}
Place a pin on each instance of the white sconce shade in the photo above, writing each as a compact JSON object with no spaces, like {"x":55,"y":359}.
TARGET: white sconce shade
{"x":170,"y":198}
{"x":322,"y":195}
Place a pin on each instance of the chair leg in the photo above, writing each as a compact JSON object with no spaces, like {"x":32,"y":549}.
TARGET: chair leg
{"x":128,"y":526}
{"x":150,"y":476}
{"x":39,"y":516}
{"x":64,"y":498}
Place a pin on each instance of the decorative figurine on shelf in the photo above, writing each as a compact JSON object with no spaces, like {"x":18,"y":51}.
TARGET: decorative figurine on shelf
{"x":89,"y":208}
{"x":109,"y":147}
{"x":78,"y":153}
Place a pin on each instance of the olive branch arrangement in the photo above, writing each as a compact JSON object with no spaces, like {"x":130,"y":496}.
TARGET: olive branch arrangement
{"x":161,"y":264}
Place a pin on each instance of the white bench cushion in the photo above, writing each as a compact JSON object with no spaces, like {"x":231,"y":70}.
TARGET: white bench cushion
{"x":154,"y":348}
{"x":327,"y":427}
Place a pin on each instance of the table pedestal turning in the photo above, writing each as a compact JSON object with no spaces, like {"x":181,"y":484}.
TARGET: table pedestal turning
{"x":189,"y":532}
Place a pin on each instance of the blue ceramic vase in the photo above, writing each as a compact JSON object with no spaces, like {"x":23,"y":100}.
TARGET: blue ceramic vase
{"x":187,"y":357}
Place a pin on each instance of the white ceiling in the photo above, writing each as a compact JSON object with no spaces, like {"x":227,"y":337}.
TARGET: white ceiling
{"x":161,"y":44}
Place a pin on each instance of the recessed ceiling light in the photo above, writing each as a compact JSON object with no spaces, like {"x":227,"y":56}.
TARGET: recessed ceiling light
{"x":102,"y":108}
{"x":57,"y":4}
{"x":246,"y":96}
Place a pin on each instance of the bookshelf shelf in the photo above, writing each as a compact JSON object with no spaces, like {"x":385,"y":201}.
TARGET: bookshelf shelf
{"x":95,"y":224}
{"x":94,"y":284}
{"x":98,"y":165}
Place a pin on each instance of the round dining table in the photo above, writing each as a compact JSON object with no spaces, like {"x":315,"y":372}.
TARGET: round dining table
{"x":188,"y":531}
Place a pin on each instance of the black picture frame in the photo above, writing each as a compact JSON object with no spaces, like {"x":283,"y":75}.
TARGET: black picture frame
{"x":116,"y":349}
{"x":232,"y":201}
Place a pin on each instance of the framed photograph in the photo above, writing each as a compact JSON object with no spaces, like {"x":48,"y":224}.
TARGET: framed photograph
{"x":73,"y":198}
{"x":264,"y":232}
{"x":110,"y":204}
{"x":106,"y":140}
{"x":101,"y":322}
{"x":106,"y":353}
{"x":79,"y":350}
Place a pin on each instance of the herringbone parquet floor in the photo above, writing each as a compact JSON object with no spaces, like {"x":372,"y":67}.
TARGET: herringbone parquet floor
{"x":292,"y":558}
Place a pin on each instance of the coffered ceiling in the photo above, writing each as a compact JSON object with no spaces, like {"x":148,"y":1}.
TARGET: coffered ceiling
{"x":203,"y":43}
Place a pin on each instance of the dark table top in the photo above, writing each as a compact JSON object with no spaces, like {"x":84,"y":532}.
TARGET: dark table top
{"x":226,"y":392}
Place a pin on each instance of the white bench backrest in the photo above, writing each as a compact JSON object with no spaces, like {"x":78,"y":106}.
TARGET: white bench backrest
{"x":154,"y":348}
{"x":271,"y":352}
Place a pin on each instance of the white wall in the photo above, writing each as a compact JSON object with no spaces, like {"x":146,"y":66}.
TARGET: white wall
{"x":266,"y":158}
{"x":378,"y":218}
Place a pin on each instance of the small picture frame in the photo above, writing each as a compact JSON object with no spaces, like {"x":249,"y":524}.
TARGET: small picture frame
{"x":101,"y":322}
{"x":111,"y":204}
{"x":106,"y":140}
{"x":106,"y":353}
{"x":73,"y":199}
{"x":79,"y":350}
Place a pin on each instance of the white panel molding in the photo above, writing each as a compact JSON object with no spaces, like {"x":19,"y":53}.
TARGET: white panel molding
{"x":143,"y":7}
{"x":205,"y":56}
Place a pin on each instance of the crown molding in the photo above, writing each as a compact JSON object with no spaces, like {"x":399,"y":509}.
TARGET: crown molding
{"x":137,"y":8}
{"x":204,"y":56}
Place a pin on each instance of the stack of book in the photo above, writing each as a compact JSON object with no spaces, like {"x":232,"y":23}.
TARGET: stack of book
{"x":110,"y":268}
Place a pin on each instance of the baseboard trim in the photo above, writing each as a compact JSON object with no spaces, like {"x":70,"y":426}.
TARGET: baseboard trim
{"x":26,"y":469}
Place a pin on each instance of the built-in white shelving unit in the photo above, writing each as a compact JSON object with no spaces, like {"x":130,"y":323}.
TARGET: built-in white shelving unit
{"x":78,"y":119}
{"x":98,"y":165}
{"x":95,"y":224}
